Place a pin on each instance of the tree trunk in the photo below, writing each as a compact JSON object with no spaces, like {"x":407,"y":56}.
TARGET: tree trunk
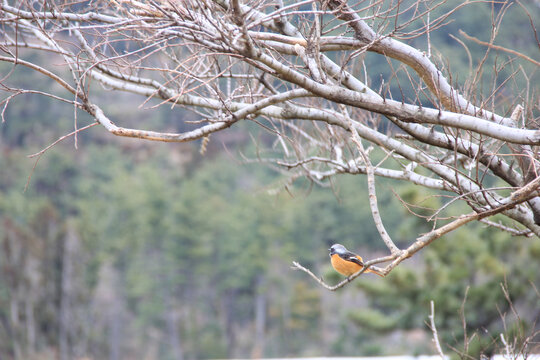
{"x":30,"y":324}
{"x":260,"y":319}
{"x":228,"y":312}
{"x":66,"y":293}
{"x":172,"y":318}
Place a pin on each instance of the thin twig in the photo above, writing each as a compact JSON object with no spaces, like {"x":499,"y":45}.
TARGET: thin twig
{"x":506,"y":347}
{"x":434,"y":330}
{"x":39,"y":153}
{"x":497,"y":47}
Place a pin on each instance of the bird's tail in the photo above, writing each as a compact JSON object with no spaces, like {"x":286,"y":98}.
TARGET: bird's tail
{"x":371,"y":270}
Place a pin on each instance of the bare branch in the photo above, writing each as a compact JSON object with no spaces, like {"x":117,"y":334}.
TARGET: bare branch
{"x":233,"y":61}
{"x":501,"y":48}
{"x":372,"y":193}
{"x":434,"y":330}
{"x":367,"y":265}
{"x":41,"y":152}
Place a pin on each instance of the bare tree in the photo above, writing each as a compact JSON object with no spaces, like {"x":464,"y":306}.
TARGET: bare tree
{"x":297,"y":70}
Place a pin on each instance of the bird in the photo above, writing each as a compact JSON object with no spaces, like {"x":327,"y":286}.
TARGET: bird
{"x":346,"y":262}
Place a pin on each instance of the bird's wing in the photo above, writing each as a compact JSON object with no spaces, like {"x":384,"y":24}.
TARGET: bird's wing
{"x":349,"y":256}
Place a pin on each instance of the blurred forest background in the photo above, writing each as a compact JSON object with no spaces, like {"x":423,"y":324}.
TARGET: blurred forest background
{"x":123,"y":249}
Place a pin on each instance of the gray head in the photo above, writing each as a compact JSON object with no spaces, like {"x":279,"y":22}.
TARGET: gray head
{"x":337,"y":249}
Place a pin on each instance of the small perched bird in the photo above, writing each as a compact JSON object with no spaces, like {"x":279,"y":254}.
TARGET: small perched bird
{"x":346,"y":262}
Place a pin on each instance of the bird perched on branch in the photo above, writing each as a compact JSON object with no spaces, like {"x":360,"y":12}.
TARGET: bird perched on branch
{"x":346,"y":262}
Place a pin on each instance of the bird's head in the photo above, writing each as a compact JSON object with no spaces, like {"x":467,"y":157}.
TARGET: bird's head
{"x":337,"y":249}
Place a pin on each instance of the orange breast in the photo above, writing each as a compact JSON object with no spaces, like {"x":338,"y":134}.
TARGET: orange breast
{"x":344,"y":267}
